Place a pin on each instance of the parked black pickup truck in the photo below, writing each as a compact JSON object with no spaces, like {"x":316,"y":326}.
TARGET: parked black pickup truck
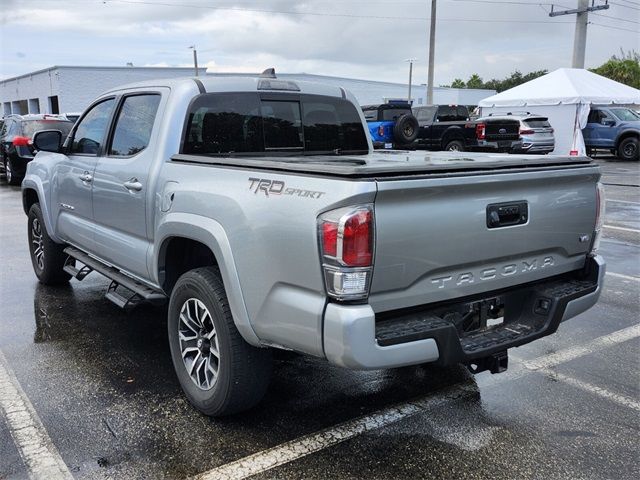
{"x":448,"y":127}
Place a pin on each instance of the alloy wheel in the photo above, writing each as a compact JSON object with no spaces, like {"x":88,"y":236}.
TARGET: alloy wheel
{"x":37,"y":243}
{"x":199,"y":344}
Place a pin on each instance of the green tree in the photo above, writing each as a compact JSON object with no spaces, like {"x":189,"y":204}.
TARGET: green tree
{"x":624,"y":69}
{"x":475,"y":81}
{"x":458,"y":83}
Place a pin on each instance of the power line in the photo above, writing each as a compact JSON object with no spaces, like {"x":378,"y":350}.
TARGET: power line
{"x":614,"y":28}
{"x":626,"y":6}
{"x":616,"y":18}
{"x":322,"y":14}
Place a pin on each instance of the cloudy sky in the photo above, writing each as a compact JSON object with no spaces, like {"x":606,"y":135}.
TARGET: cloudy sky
{"x":354,"y":38}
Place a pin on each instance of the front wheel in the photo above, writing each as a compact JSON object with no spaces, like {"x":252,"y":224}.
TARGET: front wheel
{"x":628,"y":149}
{"x":218,"y":371}
{"x":47,"y":257}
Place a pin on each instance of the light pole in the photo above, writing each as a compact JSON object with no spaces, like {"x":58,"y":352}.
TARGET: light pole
{"x":432,"y":48}
{"x":410,"y":60}
{"x":195,"y":58}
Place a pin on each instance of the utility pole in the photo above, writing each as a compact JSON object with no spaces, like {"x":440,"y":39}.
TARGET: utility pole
{"x":582,"y":20}
{"x":195,"y":58}
{"x":432,"y":48}
{"x":410,"y":60}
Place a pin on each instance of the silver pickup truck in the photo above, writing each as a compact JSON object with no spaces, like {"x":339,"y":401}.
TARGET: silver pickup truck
{"x":258,"y":208}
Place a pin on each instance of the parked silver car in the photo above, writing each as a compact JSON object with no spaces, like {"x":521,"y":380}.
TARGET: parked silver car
{"x":535,"y":131}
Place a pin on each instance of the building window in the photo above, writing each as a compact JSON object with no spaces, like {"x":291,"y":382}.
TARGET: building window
{"x":20,"y":107}
{"x":6,"y":108}
{"x":34,"y":105}
{"x":53,"y":105}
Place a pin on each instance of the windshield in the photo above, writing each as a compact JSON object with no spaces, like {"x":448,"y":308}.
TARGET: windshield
{"x":625,"y":114}
{"x":248,"y":124}
{"x":29,"y":127}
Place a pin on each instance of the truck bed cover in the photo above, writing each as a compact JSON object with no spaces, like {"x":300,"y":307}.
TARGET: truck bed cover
{"x":395,"y":164}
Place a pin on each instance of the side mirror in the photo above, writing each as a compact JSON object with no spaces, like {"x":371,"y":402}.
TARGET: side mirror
{"x":607,"y":122}
{"x":48,"y":141}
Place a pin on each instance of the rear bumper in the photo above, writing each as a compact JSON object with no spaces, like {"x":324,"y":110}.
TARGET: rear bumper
{"x":354,"y":339}
{"x":533,"y":147}
{"x":496,"y":146}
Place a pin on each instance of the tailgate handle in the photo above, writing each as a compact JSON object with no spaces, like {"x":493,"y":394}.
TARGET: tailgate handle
{"x":507,"y":214}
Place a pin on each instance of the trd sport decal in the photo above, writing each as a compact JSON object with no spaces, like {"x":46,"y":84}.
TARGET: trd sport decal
{"x":277,"y":187}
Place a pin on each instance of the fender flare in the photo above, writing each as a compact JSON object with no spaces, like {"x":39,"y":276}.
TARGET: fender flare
{"x":624,"y":133}
{"x":452,"y":133}
{"x":34,"y":182}
{"x":210,"y":233}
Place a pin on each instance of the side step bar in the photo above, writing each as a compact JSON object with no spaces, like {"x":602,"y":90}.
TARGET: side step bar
{"x":140,"y":292}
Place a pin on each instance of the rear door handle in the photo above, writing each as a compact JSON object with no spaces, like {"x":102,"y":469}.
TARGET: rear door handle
{"x":86,"y":177}
{"x":133,"y":184}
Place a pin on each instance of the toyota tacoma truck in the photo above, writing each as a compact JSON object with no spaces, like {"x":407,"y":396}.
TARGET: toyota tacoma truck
{"x":258,"y":209}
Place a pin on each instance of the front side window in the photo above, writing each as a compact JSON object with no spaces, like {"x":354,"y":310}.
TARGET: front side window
{"x":92,"y":128}
{"x":245,"y":124}
{"x":134,"y":124}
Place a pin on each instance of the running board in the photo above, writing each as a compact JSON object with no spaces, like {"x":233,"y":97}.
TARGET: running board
{"x":140,"y":292}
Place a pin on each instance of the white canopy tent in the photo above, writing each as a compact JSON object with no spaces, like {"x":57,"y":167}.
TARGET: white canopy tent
{"x":564,"y":96}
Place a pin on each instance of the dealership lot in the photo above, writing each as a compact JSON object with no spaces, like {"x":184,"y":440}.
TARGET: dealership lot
{"x":89,"y":391}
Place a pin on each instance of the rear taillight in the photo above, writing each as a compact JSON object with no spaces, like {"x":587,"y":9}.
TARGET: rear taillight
{"x":480,"y":131}
{"x":21,"y":141}
{"x":381,"y":130}
{"x":524,"y":131}
{"x":347,"y":245}
{"x":600,"y":206}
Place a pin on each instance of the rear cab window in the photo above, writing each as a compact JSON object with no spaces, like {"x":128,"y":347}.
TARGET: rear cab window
{"x":392,"y":114}
{"x":251,"y":124}
{"x":29,"y":127}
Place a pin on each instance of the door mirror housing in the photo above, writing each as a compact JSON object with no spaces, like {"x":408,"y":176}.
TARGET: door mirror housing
{"x":48,"y":141}
{"x":607,"y":122}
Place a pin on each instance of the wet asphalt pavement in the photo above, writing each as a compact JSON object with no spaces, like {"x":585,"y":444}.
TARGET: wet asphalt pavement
{"x":102,"y":383}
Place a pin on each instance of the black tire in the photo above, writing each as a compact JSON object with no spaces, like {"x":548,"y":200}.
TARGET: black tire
{"x":405,"y":130}
{"x":454,"y":146}
{"x":243,"y":371}
{"x":628,"y":149}
{"x":47,"y":256}
{"x":12,"y":178}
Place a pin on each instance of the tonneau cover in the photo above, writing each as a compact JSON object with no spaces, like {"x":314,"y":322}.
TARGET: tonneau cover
{"x":391,"y":163}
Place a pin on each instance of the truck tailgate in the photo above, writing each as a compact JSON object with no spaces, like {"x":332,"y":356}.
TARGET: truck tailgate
{"x":434,"y":242}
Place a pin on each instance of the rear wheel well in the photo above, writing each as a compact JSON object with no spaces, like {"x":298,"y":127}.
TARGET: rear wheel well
{"x":29,"y":198}
{"x":450,"y":135}
{"x":178,"y":256}
{"x":626,"y":135}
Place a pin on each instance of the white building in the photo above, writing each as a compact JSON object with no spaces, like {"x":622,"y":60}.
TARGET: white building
{"x":64,"y":89}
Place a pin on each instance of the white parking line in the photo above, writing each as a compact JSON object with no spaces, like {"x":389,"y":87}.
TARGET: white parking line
{"x":39,"y":454}
{"x":265,"y":460}
{"x":622,"y":229}
{"x":287,"y":452}
{"x":625,"y":277}
{"x":614,"y":397}
{"x":599,"y":343}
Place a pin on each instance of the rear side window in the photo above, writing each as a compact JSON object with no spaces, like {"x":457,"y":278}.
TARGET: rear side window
{"x":243,"y":123}
{"x":92,"y":128}
{"x":134,"y":124}
{"x":537,"y":123}
{"x":425,"y":114}
{"x":446,"y":114}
